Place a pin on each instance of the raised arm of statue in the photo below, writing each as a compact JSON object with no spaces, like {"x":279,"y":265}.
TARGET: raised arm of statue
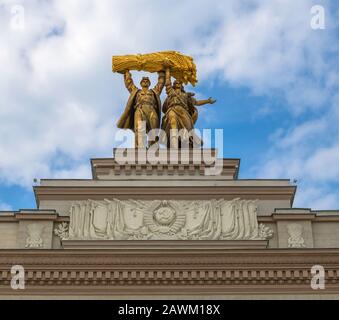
{"x":168,"y":82}
{"x":161,"y":83}
{"x":202,"y":102}
{"x":129,"y":82}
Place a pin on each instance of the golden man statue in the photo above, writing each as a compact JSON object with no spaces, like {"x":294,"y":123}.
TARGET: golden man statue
{"x":143,"y":110}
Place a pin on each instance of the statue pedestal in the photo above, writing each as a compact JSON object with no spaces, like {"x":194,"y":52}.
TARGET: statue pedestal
{"x":137,"y":164}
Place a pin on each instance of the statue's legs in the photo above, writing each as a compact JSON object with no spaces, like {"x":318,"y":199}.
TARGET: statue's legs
{"x":145,"y":119}
{"x":153,"y":122}
{"x":139,"y":129}
{"x":173,"y":138}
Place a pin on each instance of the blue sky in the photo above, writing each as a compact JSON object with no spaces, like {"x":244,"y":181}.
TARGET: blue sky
{"x":275,"y":78}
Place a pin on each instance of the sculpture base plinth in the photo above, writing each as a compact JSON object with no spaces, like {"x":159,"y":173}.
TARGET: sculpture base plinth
{"x":168,"y":245}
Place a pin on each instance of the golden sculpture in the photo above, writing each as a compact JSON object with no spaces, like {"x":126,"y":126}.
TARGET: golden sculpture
{"x":180,"y":114}
{"x":182,"y":67}
{"x":143,"y":110}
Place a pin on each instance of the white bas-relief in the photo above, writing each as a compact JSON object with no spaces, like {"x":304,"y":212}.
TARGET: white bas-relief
{"x":295,"y":232}
{"x":34,"y":236}
{"x":62,"y":230}
{"x":164,"y":220}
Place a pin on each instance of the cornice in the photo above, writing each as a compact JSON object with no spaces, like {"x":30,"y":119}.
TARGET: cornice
{"x":149,"y":271}
{"x":165,"y":193}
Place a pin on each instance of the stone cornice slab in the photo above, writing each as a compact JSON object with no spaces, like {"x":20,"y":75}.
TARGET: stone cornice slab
{"x":152,"y":271}
{"x":165,"y":193}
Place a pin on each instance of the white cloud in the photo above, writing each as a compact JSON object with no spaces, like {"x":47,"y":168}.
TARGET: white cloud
{"x":308,"y":152}
{"x":83,"y":171}
{"x":306,"y":130}
{"x":324,"y":164}
{"x":316,"y":198}
{"x":5,"y":207}
{"x":273,"y":50}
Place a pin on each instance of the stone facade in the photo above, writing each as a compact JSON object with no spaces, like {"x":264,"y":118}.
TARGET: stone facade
{"x":151,"y":229}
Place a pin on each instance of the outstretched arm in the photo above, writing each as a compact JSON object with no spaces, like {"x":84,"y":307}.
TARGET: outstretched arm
{"x":161,"y":83}
{"x":203,"y":102}
{"x":129,"y":82}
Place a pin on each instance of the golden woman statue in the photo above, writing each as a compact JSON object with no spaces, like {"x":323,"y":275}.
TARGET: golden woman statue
{"x":180,"y":113}
{"x":143,"y":110}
